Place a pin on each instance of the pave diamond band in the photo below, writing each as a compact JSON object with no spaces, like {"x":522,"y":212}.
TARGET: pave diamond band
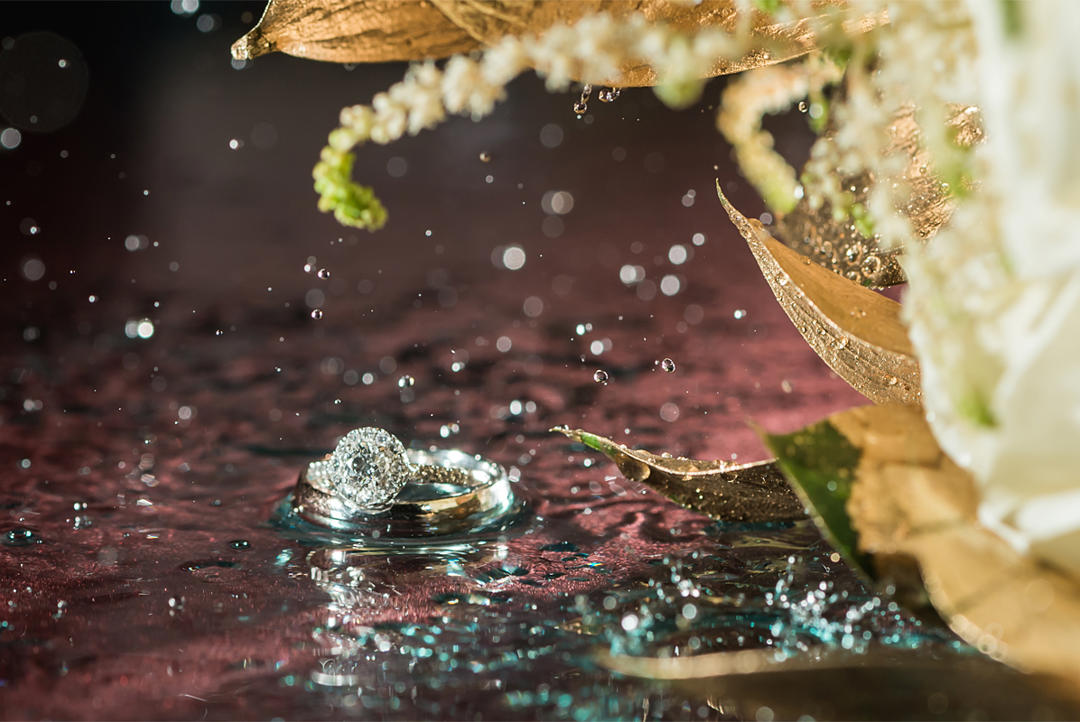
{"x":373,"y":485}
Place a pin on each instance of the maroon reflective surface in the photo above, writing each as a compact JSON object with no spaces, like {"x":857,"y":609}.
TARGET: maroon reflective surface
{"x":142,"y":575}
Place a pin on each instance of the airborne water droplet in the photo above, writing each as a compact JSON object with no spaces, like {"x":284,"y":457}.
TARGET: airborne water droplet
{"x":608,"y":95}
{"x":406,"y":381}
{"x":583,"y":103}
{"x":323,"y":273}
{"x":485,"y":157}
{"x":317,"y":314}
{"x":668,"y":365}
{"x":600,"y":377}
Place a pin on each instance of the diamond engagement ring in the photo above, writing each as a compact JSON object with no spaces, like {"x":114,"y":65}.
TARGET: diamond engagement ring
{"x":373,"y":485}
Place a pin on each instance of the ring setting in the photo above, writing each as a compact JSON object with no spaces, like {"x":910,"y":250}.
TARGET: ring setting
{"x":367,"y":470}
{"x":371,"y":485}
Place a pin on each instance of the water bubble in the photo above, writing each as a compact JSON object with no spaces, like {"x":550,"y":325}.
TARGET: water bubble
{"x":803,"y":107}
{"x":557,"y":202}
{"x":485,"y":157}
{"x":513,"y":258}
{"x":551,"y":135}
{"x":533,"y":306}
{"x":668,"y":365}
{"x":323,"y":273}
{"x":630,"y":274}
{"x":316,"y":313}
{"x":308,"y":267}
{"x":600,"y":376}
{"x":670,"y":285}
{"x":739,"y":314}
{"x":176,"y":602}
{"x":10,"y":138}
{"x":406,"y":381}
{"x":33,"y":269}
{"x":139,"y":328}
{"x":669,"y":411}
{"x":397,"y":166}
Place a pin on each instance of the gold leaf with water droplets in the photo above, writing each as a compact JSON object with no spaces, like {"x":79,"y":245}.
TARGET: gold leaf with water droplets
{"x":836,"y":241}
{"x":364,"y":31}
{"x":755,"y":492}
{"x":856,"y":331}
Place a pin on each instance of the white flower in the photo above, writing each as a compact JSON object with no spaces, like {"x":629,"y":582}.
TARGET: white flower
{"x":994,"y":299}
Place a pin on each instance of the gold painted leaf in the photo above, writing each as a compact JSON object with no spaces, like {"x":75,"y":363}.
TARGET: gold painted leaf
{"x":908,"y":499}
{"x":754,"y":492}
{"x":854,"y":330}
{"x":844,"y":245}
{"x":363,"y":31}
{"x":830,"y":683}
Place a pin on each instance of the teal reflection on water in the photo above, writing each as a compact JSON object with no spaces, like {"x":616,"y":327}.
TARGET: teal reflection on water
{"x":500,"y":617}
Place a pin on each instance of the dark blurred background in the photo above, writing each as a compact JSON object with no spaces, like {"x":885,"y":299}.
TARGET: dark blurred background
{"x":145,"y":175}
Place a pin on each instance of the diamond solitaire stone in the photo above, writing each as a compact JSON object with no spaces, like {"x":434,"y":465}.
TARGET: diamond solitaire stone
{"x":368,"y":468}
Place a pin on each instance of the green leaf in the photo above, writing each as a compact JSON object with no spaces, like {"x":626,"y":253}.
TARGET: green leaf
{"x":820,"y":464}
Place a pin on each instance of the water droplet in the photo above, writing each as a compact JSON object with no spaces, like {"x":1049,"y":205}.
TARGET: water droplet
{"x":241,"y":544}
{"x":583,"y":103}
{"x":406,"y":381}
{"x":139,"y":328}
{"x":485,"y":157}
{"x":871,"y":266}
{"x":323,"y":273}
{"x":20,"y":536}
{"x":608,"y":95}
{"x":668,"y":365}
{"x":803,"y":107}
{"x":317,"y":314}
{"x":854,"y":253}
{"x":600,"y":377}
{"x":176,"y":602}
